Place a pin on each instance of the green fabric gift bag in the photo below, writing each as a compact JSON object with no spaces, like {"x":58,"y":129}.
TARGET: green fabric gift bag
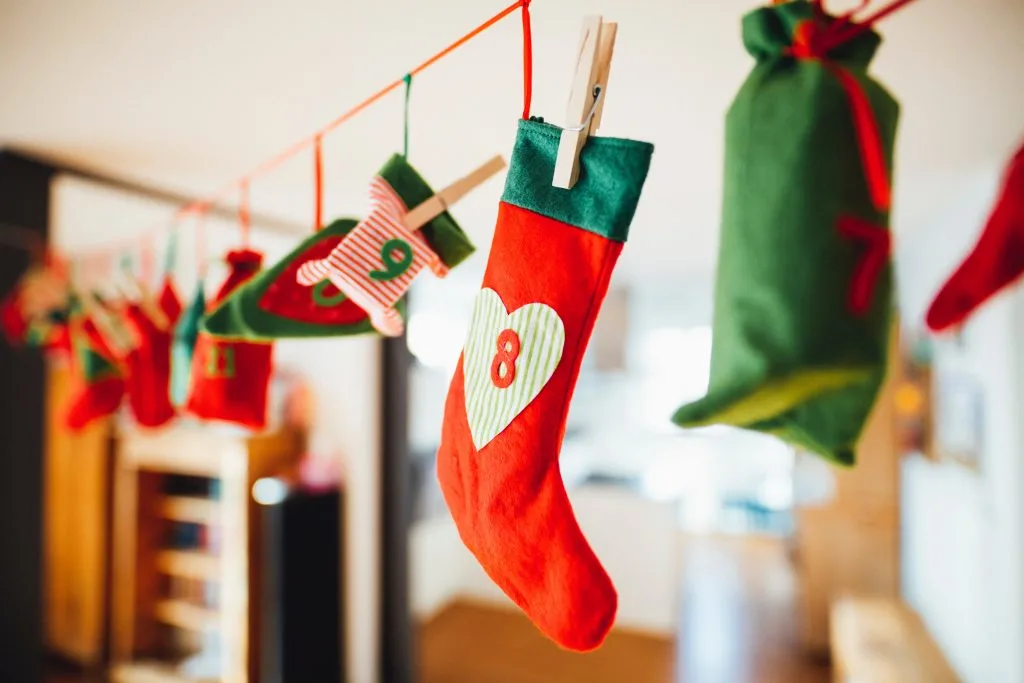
{"x":803,"y":295}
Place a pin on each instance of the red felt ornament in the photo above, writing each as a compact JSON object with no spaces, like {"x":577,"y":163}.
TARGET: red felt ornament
{"x":230,"y":378}
{"x":149,"y":363}
{"x":99,"y":384}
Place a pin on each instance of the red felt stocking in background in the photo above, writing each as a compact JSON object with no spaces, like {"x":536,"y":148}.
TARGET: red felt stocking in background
{"x":99,"y":382}
{"x":230,"y":378}
{"x":549,"y":268}
{"x":996,"y":261}
{"x":149,"y":363}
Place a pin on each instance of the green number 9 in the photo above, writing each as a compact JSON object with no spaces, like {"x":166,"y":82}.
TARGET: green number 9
{"x":393,"y":268}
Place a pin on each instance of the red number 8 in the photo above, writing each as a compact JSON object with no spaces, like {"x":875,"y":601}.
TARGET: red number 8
{"x":505,"y":359}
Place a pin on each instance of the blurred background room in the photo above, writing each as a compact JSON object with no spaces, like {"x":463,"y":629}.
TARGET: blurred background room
{"x":319,"y":548}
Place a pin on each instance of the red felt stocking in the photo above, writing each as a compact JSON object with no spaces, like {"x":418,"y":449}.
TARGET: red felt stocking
{"x":230,"y":378}
{"x":997,"y":258}
{"x":149,"y":363}
{"x":548,"y":272}
{"x":99,"y":383}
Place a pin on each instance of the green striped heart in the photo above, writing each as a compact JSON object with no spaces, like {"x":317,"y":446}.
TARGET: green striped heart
{"x":507,"y":361}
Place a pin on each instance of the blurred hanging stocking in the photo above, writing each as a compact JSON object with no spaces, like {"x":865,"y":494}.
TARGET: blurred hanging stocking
{"x":170,"y":302}
{"x":230,"y":378}
{"x":99,"y":382}
{"x":186,"y":332}
{"x":996,"y":260}
{"x":149,"y":363}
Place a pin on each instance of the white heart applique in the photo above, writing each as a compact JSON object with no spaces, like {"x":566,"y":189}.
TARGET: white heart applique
{"x":507,"y":361}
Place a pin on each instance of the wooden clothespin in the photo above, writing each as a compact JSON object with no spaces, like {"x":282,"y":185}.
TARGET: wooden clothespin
{"x":586,"y":99}
{"x":439,"y":203}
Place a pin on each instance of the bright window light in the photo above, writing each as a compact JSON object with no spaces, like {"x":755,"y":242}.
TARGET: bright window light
{"x":269,"y":491}
{"x":435,"y":340}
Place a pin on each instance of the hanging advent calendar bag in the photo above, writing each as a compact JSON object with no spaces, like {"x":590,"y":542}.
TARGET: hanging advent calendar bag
{"x":230,"y":377}
{"x":274,"y":304}
{"x":803,"y":295}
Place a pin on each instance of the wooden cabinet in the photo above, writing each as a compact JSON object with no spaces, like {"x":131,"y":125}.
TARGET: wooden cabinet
{"x":76,"y":518}
{"x":150,"y":618}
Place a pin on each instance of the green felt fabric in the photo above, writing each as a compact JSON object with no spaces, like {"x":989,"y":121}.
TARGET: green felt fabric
{"x":272,"y":305}
{"x":94,"y":365}
{"x":186,"y":332}
{"x":604,"y":199}
{"x":788,"y":356}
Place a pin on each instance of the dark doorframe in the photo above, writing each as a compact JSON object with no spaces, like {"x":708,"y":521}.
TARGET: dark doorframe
{"x":397,"y":646}
{"x":25,"y":206}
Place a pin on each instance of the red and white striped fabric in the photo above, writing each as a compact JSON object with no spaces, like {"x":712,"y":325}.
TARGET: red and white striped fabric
{"x":375,"y":264}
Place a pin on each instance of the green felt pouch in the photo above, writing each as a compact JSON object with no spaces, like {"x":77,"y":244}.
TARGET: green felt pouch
{"x":790,"y":356}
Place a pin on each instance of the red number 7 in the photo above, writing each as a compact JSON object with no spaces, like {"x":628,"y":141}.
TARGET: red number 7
{"x":878,"y":243}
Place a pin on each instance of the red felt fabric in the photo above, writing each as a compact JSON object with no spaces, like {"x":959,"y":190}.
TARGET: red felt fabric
{"x":508,"y":499}
{"x":284,"y":297}
{"x":169,"y":301}
{"x":149,"y":371}
{"x":996,"y":261}
{"x":149,"y":363}
{"x":91,"y":402}
{"x":12,"y":320}
{"x":93,"y":398}
{"x":230,"y":379}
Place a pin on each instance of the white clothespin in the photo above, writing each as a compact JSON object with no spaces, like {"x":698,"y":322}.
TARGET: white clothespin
{"x":586,"y":100}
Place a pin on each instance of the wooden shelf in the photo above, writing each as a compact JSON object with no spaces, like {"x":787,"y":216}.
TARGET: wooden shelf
{"x":186,"y":615}
{"x":190,"y":509}
{"x":147,"y":608}
{"x":189,"y":564}
{"x":152,"y":672}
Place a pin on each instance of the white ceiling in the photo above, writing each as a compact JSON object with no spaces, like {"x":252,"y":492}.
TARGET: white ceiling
{"x":189,"y":94}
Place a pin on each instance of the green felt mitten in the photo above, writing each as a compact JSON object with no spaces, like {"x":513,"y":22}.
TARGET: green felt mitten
{"x":273,"y":305}
{"x":803,"y":295}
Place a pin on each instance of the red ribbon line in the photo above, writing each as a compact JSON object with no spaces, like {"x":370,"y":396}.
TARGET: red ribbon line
{"x":318,"y":183}
{"x":202,"y":206}
{"x":808,"y":44}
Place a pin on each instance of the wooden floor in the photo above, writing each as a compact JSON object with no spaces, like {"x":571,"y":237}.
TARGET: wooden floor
{"x":737,"y":625}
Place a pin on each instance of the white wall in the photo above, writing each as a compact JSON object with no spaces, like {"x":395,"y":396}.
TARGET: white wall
{"x":442,"y":569}
{"x":963,"y":531}
{"x":343,"y":374}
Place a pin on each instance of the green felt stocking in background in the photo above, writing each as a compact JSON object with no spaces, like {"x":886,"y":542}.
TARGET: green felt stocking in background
{"x":186,"y":332}
{"x":274,"y":306}
{"x":803,"y":295}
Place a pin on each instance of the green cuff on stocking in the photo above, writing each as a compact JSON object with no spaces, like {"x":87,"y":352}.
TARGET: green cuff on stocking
{"x":604,"y":199}
{"x":272,"y":305}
